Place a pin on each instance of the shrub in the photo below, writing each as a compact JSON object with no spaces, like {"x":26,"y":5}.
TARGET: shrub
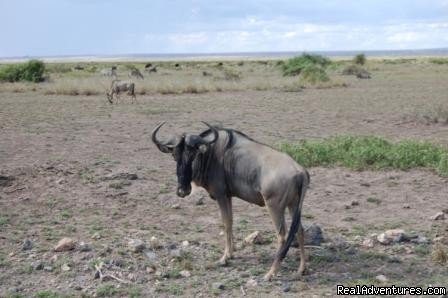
{"x":439,"y":61}
{"x":360,"y":59}
{"x":296,"y":65}
{"x":31,"y":71}
{"x":352,"y":70}
{"x":314,"y":74}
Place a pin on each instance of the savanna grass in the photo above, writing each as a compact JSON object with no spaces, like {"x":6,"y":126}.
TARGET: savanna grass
{"x":369,"y":152}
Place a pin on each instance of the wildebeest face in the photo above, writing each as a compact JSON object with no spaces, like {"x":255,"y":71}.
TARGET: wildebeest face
{"x":189,"y":147}
{"x":184,"y":150}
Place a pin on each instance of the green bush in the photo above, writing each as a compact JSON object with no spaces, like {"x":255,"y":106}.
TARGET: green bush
{"x":439,"y":61}
{"x":31,"y":71}
{"x":360,"y":59}
{"x":369,"y":152}
{"x":314,"y":74}
{"x":296,"y":65}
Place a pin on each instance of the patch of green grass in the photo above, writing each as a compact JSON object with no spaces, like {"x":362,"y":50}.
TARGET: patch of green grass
{"x":14,"y":295}
{"x":48,"y":294}
{"x":134,"y":292}
{"x":422,"y":250}
{"x":170,"y":289}
{"x":4,"y":220}
{"x":107,"y":290}
{"x":369,"y":152}
{"x":439,"y":61}
{"x":373,"y":200}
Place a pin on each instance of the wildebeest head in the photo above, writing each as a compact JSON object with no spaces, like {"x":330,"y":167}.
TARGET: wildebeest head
{"x":185,"y":149}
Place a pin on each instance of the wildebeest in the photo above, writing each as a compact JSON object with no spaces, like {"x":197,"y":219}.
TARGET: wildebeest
{"x":118,"y":87}
{"x":108,"y":72}
{"x":364,"y":74}
{"x":135,"y":73}
{"x":228,"y":163}
{"x":152,"y":69}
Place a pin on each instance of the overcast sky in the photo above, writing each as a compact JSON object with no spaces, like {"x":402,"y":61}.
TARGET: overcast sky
{"x":77,"y":27}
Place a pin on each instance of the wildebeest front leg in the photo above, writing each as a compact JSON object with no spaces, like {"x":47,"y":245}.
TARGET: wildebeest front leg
{"x":225,"y":207}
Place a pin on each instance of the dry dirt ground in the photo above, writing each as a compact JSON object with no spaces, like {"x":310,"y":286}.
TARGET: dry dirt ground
{"x":63,"y":152}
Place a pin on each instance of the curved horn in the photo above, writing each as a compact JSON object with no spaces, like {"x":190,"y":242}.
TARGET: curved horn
{"x":215,"y":133}
{"x":165,"y":147}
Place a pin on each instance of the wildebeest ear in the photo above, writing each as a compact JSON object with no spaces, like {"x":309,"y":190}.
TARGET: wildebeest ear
{"x":203,"y":148}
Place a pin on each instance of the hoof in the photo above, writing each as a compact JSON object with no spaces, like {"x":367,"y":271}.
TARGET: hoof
{"x":223,"y":262}
{"x":267,"y":277}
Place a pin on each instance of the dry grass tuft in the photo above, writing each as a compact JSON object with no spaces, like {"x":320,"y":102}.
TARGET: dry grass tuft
{"x":439,"y":254}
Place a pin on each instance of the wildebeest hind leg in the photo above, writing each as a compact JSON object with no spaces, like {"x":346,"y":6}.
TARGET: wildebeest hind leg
{"x":225,"y":207}
{"x":278,"y":219}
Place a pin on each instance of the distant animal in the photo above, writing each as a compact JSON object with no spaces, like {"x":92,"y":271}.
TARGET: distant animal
{"x":177,"y":65}
{"x":206,"y":74}
{"x":228,"y":163}
{"x":108,"y":72}
{"x":364,"y":74}
{"x":117,"y":87}
{"x":152,"y":69}
{"x":148,"y":65}
{"x":135,"y":73}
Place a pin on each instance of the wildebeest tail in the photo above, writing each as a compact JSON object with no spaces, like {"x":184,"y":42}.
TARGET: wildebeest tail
{"x":303,"y":182}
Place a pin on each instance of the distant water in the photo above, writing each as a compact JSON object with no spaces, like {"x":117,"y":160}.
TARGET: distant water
{"x":247,"y":55}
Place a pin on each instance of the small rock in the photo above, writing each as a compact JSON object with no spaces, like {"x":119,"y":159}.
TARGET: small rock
{"x":369,"y":243}
{"x":381,"y":278}
{"x":365,"y":184}
{"x":136,"y":245}
{"x":96,"y":236}
{"x":218,"y":286}
{"x":150,"y":269}
{"x":286,"y":288}
{"x":254,"y":238}
{"x":65,"y":267}
{"x":251,"y":283}
{"x":175,"y":253}
{"x":154,"y":243}
{"x":53,"y":259}
{"x":175,"y":206}
{"x":150,"y":254}
{"x":185,"y":273}
{"x":406,"y":206}
{"x":420,"y":240}
{"x":65,"y":244}
{"x":48,"y":268}
{"x":389,"y":236}
{"x":37,"y":265}
{"x":313,"y":235}
{"x":185,"y":243}
{"x":383,"y":239}
{"x":27,"y":244}
{"x":440,"y":239}
{"x":84,"y":247}
{"x":200,"y":201}
{"x":438,"y":216}
{"x":355,"y":203}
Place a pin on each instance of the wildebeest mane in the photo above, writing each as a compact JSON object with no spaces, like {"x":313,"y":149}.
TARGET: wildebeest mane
{"x":231,"y":136}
